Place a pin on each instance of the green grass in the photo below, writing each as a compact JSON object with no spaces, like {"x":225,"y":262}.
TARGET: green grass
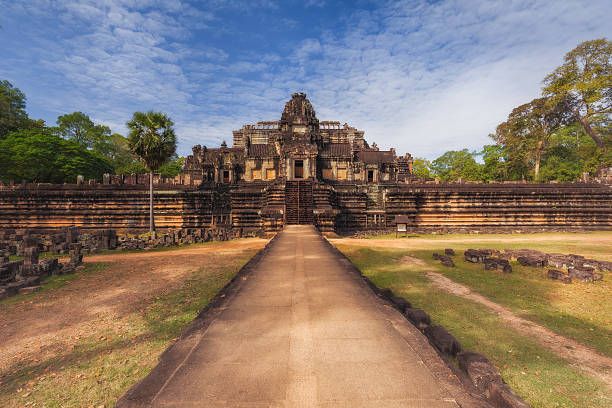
{"x":539,"y":376}
{"x":113,"y":354}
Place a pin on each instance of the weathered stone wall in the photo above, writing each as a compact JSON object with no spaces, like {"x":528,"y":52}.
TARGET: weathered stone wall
{"x":340,"y":207}
{"x":110,"y":206}
{"x":476,"y":207}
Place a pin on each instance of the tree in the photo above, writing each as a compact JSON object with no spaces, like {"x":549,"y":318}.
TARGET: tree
{"x":38,"y":155}
{"x":79,"y":127}
{"x":453,"y":165}
{"x":584,"y":84}
{"x":12,"y":109}
{"x":495,"y":165}
{"x":529,"y":128}
{"x":422,"y":168}
{"x":152,"y":139}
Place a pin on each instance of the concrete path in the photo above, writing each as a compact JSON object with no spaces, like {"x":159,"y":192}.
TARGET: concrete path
{"x":303,"y":331}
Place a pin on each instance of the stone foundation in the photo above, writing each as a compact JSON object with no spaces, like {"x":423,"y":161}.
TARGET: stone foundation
{"x":335,"y":207}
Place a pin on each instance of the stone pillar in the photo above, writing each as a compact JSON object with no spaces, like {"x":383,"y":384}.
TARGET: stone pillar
{"x":30,"y":256}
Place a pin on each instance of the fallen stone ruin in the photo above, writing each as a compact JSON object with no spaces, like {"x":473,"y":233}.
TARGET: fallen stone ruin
{"x":577,"y":266}
{"x":24,"y":276}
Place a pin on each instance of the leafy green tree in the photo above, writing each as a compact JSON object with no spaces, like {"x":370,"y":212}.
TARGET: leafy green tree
{"x":529,"y":128}
{"x":38,"y":155}
{"x":495,"y":165}
{"x":152,"y":139}
{"x":79,"y":127}
{"x":455,"y":164}
{"x":422,"y":168}
{"x":584,"y":84}
{"x":172,"y":168}
{"x":12,"y":109}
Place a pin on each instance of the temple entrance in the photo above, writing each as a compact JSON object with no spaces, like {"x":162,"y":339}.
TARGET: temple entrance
{"x":298,"y":169}
{"x":298,"y":202}
{"x":226,"y":176}
{"x":370,"y":176}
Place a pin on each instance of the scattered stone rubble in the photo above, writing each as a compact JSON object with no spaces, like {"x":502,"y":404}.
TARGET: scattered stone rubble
{"x":578,"y":267}
{"x":444,"y":260}
{"x":24,"y":276}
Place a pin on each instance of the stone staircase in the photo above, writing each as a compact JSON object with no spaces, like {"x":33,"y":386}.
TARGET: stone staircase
{"x":298,"y":202}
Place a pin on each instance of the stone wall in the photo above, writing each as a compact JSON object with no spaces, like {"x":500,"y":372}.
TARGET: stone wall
{"x":120,"y":207}
{"x":340,"y":207}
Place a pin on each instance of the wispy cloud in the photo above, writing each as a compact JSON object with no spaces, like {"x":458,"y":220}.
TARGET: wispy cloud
{"x":419,"y":75}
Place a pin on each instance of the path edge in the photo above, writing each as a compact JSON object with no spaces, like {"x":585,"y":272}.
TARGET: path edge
{"x":144,"y":391}
{"x":460,"y":374}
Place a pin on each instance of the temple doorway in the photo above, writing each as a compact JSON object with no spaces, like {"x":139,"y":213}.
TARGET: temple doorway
{"x":298,"y":169}
{"x":370,"y":176}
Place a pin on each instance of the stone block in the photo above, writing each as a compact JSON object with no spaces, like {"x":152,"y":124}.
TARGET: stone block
{"x":499,"y":264}
{"x":480,"y":370}
{"x":6,"y":275}
{"x":400,"y":303}
{"x":48,"y":266}
{"x":418,"y":317}
{"x":29,"y":289}
{"x":447,"y":261}
{"x":584,"y":275}
{"x":30,"y":256}
{"x":76,"y":259}
{"x":476,"y":255}
{"x":559,"y":275}
{"x":31,"y":241}
{"x":3,"y":293}
{"x":30,"y":270}
{"x":387,"y":293}
{"x":449,"y":251}
{"x":443,"y":340}
{"x":559,"y":261}
{"x":532,"y":261}
{"x":502,"y":396}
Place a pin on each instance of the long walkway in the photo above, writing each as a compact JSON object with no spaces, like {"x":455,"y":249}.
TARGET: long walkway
{"x":304,"y":331}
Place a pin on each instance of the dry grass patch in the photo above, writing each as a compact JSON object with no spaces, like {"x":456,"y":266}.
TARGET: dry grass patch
{"x":88,"y":337}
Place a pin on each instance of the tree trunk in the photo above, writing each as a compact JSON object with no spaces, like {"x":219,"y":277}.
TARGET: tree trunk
{"x":151,"y":219}
{"x":538,"y":157}
{"x":589,"y":130}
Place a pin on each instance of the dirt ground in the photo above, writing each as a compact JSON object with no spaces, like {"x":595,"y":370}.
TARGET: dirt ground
{"x":46,"y":325}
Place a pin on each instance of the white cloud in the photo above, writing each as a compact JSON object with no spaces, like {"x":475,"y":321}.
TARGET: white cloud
{"x":422,"y":77}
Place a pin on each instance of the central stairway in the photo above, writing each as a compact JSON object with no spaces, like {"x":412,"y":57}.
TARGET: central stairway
{"x":298,"y":202}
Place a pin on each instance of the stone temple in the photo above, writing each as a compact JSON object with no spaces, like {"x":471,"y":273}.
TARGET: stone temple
{"x":297,"y":147}
{"x":299,"y":170}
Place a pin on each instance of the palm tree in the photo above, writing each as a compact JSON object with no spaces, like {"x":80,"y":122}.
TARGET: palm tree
{"x":152,"y":139}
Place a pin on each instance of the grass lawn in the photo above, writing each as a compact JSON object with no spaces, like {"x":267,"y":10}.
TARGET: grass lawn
{"x":580,"y":311}
{"x":113,"y":352}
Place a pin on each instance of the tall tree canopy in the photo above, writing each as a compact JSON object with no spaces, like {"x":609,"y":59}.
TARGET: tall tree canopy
{"x":40,"y":156}
{"x":529,"y":128}
{"x":152,"y":139}
{"x":584,"y":84}
{"x":12,"y":108}
{"x":454,"y":164}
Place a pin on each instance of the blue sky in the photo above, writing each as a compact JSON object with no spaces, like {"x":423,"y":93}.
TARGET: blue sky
{"x":422,"y":76}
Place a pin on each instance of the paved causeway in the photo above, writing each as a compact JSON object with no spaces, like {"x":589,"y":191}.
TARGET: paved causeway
{"x":303,"y":331}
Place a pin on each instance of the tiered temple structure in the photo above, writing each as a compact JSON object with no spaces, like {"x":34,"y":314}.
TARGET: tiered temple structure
{"x":298,"y":147}
{"x":299,"y":170}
